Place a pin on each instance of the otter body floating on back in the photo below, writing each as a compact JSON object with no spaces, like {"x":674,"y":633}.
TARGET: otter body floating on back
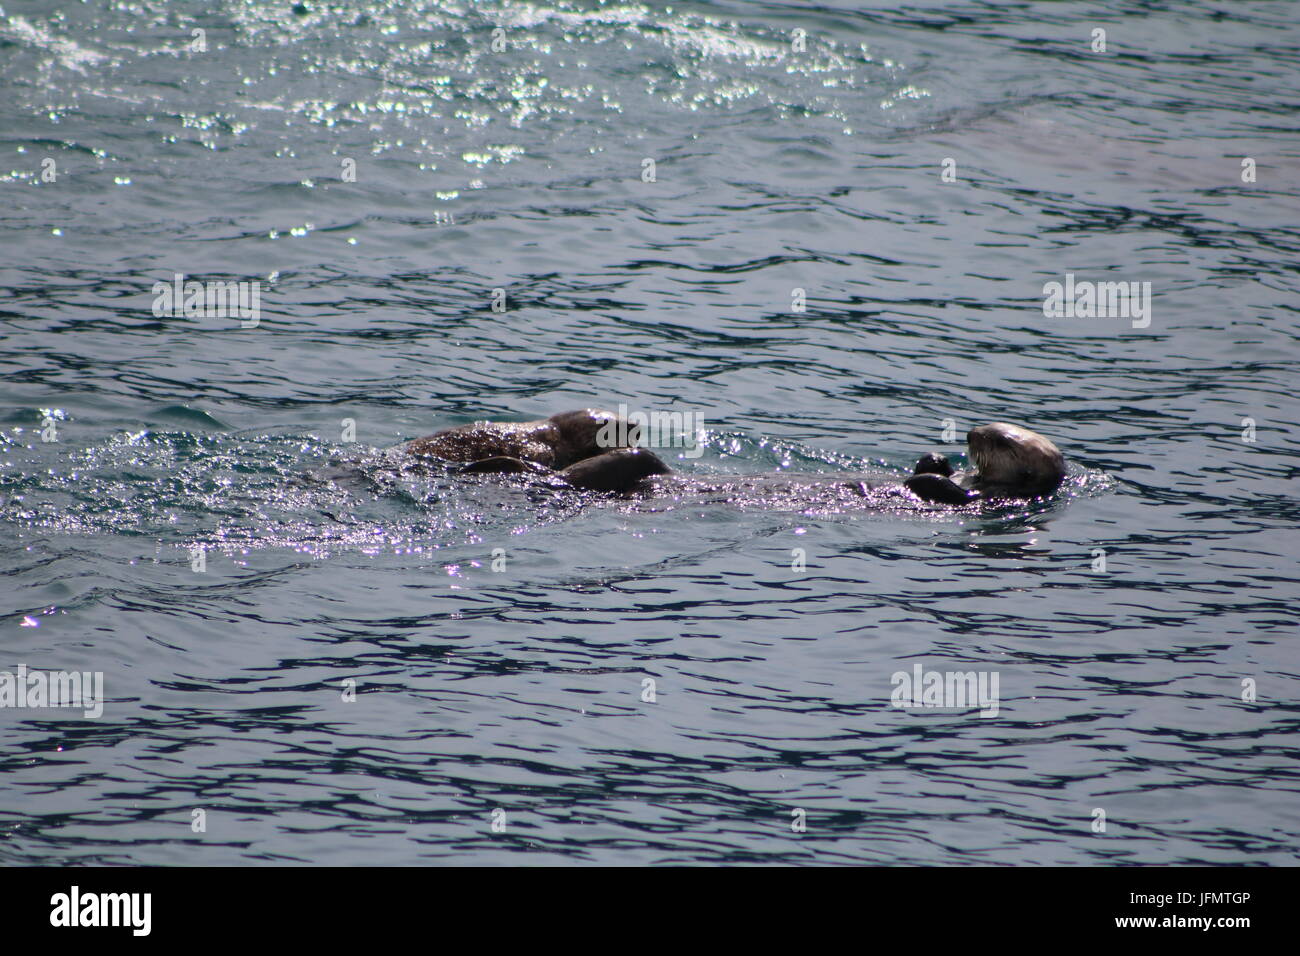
{"x":556,"y":442}
{"x":578,"y":448}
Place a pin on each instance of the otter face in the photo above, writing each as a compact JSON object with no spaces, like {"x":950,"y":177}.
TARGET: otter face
{"x":1014,"y":461}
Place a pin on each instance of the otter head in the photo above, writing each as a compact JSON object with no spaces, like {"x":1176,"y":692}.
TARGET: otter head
{"x":618,"y":470}
{"x":1014,"y":462}
{"x":589,"y":432}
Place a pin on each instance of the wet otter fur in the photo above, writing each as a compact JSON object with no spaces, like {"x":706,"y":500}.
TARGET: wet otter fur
{"x":556,"y":442}
{"x":1011,"y":462}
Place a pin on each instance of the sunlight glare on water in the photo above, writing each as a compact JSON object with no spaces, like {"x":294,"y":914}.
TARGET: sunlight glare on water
{"x":647,"y":191}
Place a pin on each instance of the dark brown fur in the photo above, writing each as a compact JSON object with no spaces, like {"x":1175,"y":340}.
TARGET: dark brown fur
{"x":556,"y":442}
{"x":578,"y":446}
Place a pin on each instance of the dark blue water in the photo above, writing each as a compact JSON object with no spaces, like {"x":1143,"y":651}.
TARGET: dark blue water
{"x":521,"y":689}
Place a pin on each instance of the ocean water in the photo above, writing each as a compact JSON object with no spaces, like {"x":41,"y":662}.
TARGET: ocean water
{"x":826,"y":230}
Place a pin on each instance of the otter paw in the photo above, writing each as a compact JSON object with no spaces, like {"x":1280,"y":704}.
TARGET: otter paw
{"x":939,"y":489}
{"x":933,"y":464}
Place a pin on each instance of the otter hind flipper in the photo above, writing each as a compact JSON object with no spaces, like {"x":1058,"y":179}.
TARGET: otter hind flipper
{"x":504,"y":464}
{"x":939,"y":489}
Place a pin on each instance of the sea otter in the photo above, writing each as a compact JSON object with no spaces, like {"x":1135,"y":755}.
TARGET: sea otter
{"x":555,"y":443}
{"x":1011,"y":462}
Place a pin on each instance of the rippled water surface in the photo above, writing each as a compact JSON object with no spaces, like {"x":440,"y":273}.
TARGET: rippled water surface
{"x":501,"y":637}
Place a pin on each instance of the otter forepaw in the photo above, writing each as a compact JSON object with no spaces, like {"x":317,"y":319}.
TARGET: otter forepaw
{"x":939,"y":489}
{"x":933,"y":464}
